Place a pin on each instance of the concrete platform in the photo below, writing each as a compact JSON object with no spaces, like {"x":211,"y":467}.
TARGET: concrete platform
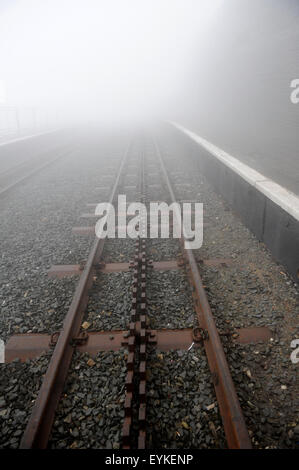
{"x":268,"y":209}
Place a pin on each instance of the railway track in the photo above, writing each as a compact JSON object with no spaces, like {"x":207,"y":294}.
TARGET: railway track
{"x":139,"y":338}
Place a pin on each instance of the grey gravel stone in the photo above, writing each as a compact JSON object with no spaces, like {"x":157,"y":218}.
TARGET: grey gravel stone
{"x":88,"y":416}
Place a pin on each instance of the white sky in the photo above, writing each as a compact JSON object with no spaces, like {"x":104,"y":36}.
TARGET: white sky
{"x":99,"y":56}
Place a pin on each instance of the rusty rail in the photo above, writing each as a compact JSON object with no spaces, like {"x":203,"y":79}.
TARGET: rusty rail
{"x":38,"y":429}
{"x":39,"y":426}
{"x":230,"y":409}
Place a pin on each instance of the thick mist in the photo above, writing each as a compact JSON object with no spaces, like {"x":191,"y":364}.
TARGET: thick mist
{"x":88,"y":60}
{"x":239,"y":91}
{"x":221,"y":68}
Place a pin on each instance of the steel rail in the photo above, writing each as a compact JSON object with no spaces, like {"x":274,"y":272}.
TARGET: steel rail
{"x":232,"y":417}
{"x":40,"y":423}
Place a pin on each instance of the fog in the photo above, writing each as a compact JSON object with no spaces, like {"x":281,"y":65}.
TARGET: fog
{"x":238,"y":93}
{"x":99,"y":59}
{"x":221,"y":67}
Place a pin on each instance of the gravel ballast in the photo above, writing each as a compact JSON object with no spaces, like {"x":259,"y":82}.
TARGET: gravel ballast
{"x":110,"y":302}
{"x":182,"y":411}
{"x":36,"y":232}
{"x":169,"y":300}
{"x":182,"y":406}
{"x":91,"y":413}
{"x":19,"y":386}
